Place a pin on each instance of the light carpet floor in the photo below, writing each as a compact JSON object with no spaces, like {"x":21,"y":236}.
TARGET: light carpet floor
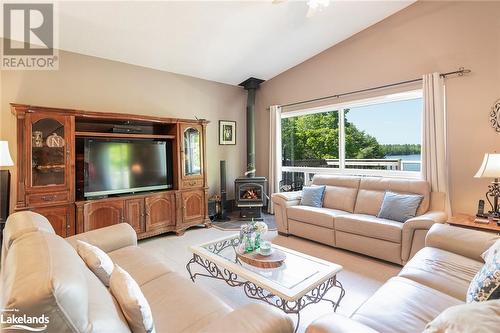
{"x":361,"y":275}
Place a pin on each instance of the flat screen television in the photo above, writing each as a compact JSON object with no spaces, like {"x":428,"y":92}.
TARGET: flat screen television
{"x":126,"y":166}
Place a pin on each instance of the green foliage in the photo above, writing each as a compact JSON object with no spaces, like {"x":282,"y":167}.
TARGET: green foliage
{"x":316,"y":137}
{"x":402,"y":149}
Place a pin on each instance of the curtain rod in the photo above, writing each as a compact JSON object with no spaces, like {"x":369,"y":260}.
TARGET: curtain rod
{"x":460,"y":72}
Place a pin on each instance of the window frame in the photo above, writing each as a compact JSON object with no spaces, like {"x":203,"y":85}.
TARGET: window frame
{"x":340,"y":108}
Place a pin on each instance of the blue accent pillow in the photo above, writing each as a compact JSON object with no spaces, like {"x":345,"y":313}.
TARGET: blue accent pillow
{"x":313,"y":196}
{"x":486,"y":284}
{"x":399,"y":207}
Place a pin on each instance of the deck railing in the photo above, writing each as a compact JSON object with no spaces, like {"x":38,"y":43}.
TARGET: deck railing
{"x":305,"y":170}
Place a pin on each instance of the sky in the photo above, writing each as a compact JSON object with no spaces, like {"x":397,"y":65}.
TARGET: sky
{"x":394,"y":122}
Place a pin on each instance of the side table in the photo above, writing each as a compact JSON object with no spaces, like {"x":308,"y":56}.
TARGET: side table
{"x":467,"y":221}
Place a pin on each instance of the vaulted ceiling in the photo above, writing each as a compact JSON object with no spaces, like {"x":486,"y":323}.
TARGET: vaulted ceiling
{"x":223,"y":41}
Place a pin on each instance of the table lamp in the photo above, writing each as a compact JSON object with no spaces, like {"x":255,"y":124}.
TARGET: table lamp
{"x":490,"y":168}
{"x":5,"y":160}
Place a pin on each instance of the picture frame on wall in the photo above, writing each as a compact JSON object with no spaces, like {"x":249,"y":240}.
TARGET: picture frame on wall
{"x":227,"y":132}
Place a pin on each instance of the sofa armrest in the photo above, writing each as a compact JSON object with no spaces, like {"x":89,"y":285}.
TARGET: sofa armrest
{"x":334,"y":323}
{"x":109,"y":238}
{"x":281,"y":202}
{"x":466,"y":242}
{"x":423,"y":222}
{"x":255,"y":318}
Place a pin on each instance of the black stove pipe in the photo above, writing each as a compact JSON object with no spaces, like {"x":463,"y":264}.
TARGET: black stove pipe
{"x":251,"y":85}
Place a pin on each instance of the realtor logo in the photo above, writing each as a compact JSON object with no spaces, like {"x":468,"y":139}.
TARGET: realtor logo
{"x":29,"y":36}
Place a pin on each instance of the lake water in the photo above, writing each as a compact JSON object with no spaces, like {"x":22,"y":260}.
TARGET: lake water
{"x":408,"y":166}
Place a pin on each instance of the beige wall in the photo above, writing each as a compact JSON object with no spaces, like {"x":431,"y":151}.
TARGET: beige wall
{"x":425,"y":37}
{"x":95,"y":84}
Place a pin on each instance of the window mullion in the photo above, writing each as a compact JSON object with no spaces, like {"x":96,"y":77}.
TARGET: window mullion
{"x":341,"y":139}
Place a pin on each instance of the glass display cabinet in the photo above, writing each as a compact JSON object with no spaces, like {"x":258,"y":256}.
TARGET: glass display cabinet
{"x":192,"y":152}
{"x":49,"y":152}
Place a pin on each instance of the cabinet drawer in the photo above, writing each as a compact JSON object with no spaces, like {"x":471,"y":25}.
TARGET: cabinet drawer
{"x":48,"y":198}
{"x":192,"y":183}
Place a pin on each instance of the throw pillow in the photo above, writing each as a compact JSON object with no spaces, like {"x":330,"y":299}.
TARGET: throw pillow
{"x":313,"y":196}
{"x":134,"y":305}
{"x":399,"y":207}
{"x":481,"y":317}
{"x":490,"y":253}
{"x":96,"y":259}
{"x":486,"y":283}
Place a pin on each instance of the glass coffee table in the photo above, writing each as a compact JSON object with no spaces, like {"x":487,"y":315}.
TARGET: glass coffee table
{"x":300,"y":281}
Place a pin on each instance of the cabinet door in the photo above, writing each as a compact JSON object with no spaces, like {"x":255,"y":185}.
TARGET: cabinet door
{"x":134,"y":214}
{"x":62,"y":218}
{"x":193,"y":206}
{"x":192,"y":151}
{"x":160,"y":211}
{"x":101,"y":214}
{"x":49,"y":140}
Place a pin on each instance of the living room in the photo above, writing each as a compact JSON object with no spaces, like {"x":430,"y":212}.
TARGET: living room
{"x":250,"y":166}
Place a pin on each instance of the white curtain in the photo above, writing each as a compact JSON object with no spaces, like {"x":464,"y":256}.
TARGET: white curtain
{"x":274,"y":153}
{"x":434,"y":152}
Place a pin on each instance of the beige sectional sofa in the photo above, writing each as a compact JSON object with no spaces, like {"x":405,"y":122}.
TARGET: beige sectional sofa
{"x":42,"y":274}
{"x":348,"y":218}
{"x":436,"y":278}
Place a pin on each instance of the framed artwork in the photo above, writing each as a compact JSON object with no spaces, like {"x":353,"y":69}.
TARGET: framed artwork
{"x":227,"y":132}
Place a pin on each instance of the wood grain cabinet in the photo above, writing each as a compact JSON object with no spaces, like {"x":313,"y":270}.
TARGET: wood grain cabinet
{"x":100,"y":214}
{"x":52,"y":171}
{"x":193,"y":206}
{"x":45,"y":167}
{"x":62,"y":218}
{"x":134,"y":214}
{"x":160,"y":211}
{"x":149,"y":214}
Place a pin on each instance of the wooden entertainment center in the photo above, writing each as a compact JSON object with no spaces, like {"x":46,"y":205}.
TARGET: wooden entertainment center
{"x":50,"y":162}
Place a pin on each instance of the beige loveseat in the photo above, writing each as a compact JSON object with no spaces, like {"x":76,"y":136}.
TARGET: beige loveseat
{"x":348,"y":218}
{"x":42,"y":274}
{"x":436,"y":278}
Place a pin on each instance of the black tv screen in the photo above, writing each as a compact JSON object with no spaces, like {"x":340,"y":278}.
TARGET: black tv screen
{"x":126,"y":166}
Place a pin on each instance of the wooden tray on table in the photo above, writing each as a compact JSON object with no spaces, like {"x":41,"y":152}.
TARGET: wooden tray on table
{"x":274,"y":260}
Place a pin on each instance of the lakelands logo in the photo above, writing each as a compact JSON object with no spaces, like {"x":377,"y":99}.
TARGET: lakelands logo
{"x":29,"y":37}
{"x":11,"y":319}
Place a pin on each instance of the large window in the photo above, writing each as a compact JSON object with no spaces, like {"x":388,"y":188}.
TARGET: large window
{"x":377,"y":136}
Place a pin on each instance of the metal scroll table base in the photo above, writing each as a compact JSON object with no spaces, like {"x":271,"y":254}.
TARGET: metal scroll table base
{"x":255,"y":292}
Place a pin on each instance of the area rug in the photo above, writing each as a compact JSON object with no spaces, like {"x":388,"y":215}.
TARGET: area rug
{"x":235,"y":223}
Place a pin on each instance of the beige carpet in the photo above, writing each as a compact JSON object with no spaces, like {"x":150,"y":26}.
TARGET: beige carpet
{"x":361,"y":276}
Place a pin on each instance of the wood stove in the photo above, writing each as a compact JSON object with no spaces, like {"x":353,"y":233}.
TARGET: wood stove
{"x":250,"y":191}
{"x":250,"y":196}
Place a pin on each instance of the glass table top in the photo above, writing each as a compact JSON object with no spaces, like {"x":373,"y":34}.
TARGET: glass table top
{"x":298,"y":269}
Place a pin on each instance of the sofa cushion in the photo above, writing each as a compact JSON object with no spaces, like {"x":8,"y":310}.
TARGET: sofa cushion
{"x":47,"y":277}
{"x":403,"y":305}
{"x":399,"y":207}
{"x":372,"y":189}
{"x":134,"y":305}
{"x":486,"y":283}
{"x":194,"y":307}
{"x":481,"y":317}
{"x":21,"y":223}
{"x":313,"y":196}
{"x":322,"y":217}
{"x":445,"y":271}
{"x":340,"y":192}
{"x":370,"y":226}
{"x":141,"y":264}
{"x":105,"y":315}
{"x":96,"y":260}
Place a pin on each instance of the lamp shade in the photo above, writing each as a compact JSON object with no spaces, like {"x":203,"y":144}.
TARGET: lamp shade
{"x":5,"y":159}
{"x":490,"y":168}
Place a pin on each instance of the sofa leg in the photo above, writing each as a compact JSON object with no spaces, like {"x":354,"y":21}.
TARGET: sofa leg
{"x":282,"y":234}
